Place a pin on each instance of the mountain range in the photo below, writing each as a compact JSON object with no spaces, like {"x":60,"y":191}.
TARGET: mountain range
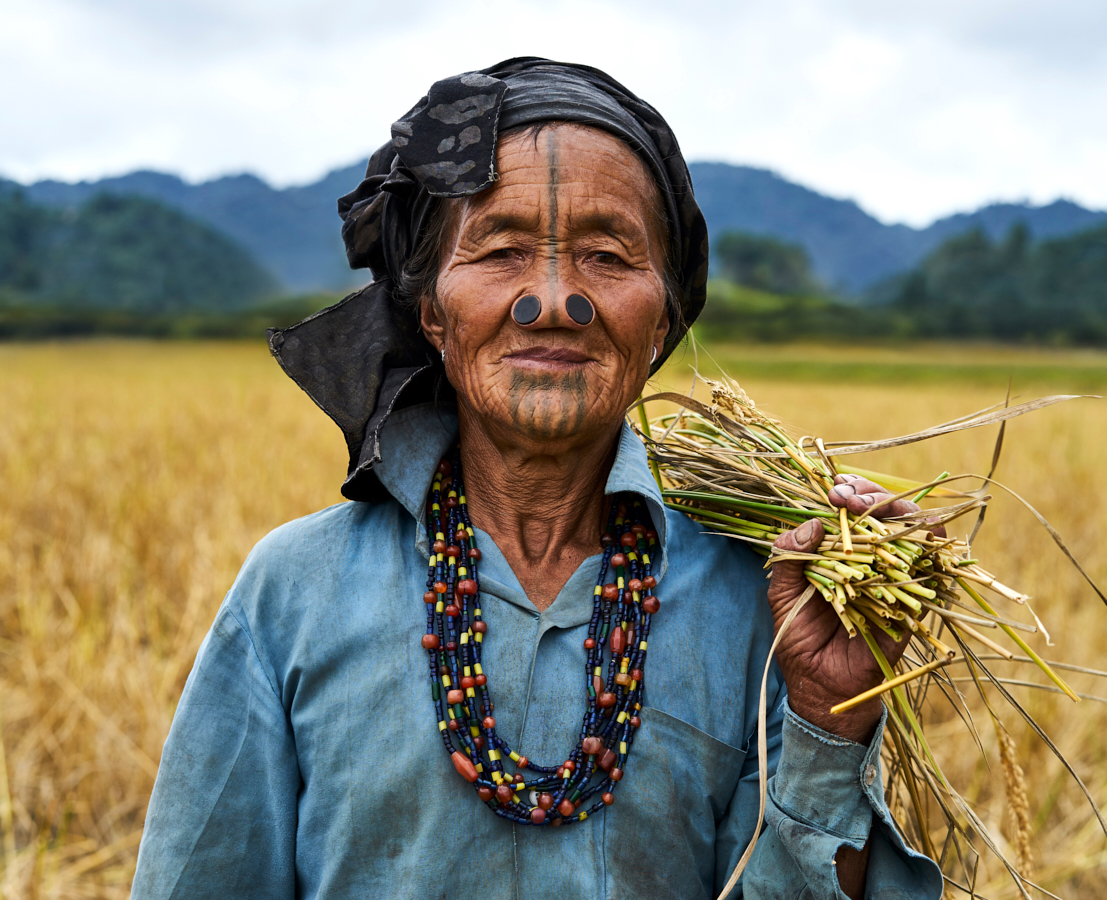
{"x":294,"y":232}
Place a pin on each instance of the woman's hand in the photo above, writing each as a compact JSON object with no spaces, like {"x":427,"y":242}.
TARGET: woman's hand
{"x":822,"y":665}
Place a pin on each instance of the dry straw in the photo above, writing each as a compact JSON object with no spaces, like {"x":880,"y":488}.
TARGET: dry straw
{"x":740,"y":473}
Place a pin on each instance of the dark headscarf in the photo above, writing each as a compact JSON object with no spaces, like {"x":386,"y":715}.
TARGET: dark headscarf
{"x":365,"y":357}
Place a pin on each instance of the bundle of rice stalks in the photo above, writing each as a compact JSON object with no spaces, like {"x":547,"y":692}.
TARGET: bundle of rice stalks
{"x":740,"y":473}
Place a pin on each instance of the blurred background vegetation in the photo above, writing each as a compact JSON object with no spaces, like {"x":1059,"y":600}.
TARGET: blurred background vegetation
{"x":149,"y":255}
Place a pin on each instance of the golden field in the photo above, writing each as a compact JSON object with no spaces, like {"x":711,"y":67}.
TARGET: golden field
{"x":135,"y":477}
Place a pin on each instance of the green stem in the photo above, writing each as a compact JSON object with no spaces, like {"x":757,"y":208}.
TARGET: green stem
{"x":1042,"y":664}
{"x":649,"y":436}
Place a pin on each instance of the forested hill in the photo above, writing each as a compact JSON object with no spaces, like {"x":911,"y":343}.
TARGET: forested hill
{"x":121,"y":253}
{"x":850,"y":249}
{"x":294,"y":232}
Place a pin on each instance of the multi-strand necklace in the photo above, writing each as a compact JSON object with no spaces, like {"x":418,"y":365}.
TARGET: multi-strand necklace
{"x":620,"y":625}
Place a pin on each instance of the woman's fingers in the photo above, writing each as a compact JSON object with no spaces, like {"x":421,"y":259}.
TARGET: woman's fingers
{"x":858,"y":495}
{"x":788,"y":580}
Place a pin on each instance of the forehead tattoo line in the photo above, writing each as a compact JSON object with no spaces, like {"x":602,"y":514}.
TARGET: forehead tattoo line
{"x":551,"y":275}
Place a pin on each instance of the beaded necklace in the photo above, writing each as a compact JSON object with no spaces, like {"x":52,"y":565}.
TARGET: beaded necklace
{"x":621,"y":613}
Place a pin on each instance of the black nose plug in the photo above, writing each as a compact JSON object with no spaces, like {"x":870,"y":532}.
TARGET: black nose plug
{"x":526,"y":310}
{"x":579,"y":309}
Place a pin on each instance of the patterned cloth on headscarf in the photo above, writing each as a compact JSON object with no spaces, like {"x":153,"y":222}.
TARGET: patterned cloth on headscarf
{"x":365,"y":357}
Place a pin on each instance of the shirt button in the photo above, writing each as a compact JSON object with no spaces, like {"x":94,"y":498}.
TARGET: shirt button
{"x":870,"y":775}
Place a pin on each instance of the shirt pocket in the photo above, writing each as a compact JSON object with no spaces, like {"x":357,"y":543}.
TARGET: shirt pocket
{"x":659,"y":836}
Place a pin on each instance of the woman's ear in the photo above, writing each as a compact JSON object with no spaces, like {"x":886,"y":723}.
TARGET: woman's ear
{"x":662,"y":329}
{"x":432,"y":323}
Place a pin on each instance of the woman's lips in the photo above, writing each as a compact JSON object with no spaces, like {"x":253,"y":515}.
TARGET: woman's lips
{"x":548,"y":358}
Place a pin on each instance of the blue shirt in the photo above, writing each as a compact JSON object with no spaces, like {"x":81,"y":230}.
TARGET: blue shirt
{"x":304,"y":759}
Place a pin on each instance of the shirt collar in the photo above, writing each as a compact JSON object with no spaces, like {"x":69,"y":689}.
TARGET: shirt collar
{"x":415,"y":438}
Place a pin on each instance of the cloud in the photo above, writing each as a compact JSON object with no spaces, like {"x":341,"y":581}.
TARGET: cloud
{"x":913,"y":110}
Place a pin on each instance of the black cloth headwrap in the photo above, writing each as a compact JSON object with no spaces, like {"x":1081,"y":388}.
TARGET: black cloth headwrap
{"x":364,"y":357}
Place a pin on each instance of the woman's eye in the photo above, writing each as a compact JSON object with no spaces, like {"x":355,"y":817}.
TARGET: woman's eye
{"x":503,"y":254}
{"x":605,"y":258}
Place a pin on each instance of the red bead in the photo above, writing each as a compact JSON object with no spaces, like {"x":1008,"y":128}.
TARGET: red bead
{"x":489,"y":723}
{"x":444,"y":467}
{"x":569,"y":765}
{"x":566,"y":808}
{"x":443,"y":670}
{"x":451,"y":646}
{"x":454,"y":726}
{"x":440,"y":587}
{"x":619,"y":560}
{"x":481,"y":680}
{"x":635,"y":584}
{"x":616,"y":775}
{"x":504,"y":794}
{"x":605,"y":700}
{"x":523,"y":762}
{"x":608,"y":799}
{"x":545,"y":801}
{"x":589,"y":644}
{"x":461,"y":535}
{"x":538,"y":816}
{"x":651,"y":604}
{"x":649,"y":582}
{"x":638,"y":529}
{"x":468,"y":682}
{"x":439,"y":546}
{"x":635,"y":721}
{"x":597,"y":684}
{"x":455,"y":696}
{"x":453,"y":551}
{"x":606,"y":540}
{"x":451,"y":502}
{"x":464,"y":766}
{"x":557,"y":823}
{"x":627,"y":540}
{"x":610,"y":592}
{"x":467,"y":586}
{"x":651,"y":535}
{"x":636,"y":674}
{"x":591,"y":745}
{"x":452,"y":611}
{"x":606,"y":761}
{"x":478,"y":742}
{"x":430,"y":642}
{"x":474,"y":555}
{"x":480,"y":626}
{"x":618,"y":639}
{"x":630,"y":636}
{"x":621,"y":511}
{"x":430,"y":597}
{"x":485,"y":793}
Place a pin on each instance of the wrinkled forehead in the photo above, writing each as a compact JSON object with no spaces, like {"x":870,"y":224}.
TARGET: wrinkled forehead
{"x":564,"y":171}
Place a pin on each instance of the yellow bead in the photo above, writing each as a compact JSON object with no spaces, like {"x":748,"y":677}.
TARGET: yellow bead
{"x":623,"y":747}
{"x":441,"y":726}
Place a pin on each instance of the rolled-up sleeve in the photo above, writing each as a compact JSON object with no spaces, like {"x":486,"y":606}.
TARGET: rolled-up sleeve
{"x":827,"y":792}
{"x":222,"y":818}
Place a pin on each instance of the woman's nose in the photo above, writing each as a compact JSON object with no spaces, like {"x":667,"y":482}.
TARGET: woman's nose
{"x":533,"y":312}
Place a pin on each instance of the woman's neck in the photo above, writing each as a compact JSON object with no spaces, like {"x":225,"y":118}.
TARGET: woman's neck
{"x":542,"y":502}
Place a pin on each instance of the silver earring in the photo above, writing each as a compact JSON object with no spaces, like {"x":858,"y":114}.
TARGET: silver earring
{"x":444,"y":354}
{"x":653,"y":358}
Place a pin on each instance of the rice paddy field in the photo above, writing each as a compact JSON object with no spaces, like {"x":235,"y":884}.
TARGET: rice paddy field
{"x":135,"y":477}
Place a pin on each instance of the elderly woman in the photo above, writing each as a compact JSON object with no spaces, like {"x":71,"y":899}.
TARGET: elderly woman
{"x":506,"y":670}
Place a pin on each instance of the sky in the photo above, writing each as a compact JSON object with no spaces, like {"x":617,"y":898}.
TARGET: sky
{"x":915,"y":110}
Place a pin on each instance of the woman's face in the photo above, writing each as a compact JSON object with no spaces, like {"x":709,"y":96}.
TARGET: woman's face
{"x":574,"y":211}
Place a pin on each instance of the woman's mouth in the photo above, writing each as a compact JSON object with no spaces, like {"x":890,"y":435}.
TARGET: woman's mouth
{"x":548,"y":358}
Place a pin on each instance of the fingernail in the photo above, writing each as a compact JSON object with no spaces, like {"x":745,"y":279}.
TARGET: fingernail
{"x":805,"y":531}
{"x":868,"y":499}
{"x":844,"y":491}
